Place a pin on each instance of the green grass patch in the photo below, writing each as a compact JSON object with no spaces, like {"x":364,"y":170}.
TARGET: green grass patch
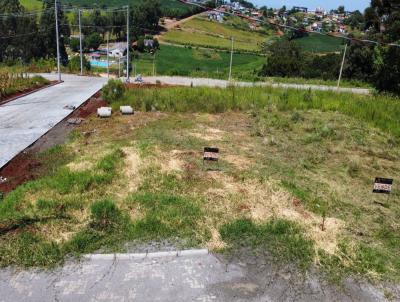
{"x":283,"y":239}
{"x":187,"y":61}
{"x":320,"y":44}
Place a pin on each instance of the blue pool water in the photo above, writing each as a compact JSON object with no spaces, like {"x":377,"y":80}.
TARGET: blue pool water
{"x":102,"y":64}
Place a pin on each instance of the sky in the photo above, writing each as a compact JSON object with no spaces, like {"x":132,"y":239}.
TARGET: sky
{"x":312,"y":4}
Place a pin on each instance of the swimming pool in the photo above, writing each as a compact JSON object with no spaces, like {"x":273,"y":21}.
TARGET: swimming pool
{"x":102,"y":64}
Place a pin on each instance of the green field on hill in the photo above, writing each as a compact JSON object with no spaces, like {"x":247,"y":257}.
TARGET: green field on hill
{"x":205,"y":33}
{"x":31,"y":4}
{"x":317,"y":43}
{"x":173,"y":60}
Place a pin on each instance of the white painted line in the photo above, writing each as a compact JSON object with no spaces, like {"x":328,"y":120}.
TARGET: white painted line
{"x":132,"y":256}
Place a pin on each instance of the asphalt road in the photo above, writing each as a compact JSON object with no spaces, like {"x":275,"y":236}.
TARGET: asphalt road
{"x":26,"y":119}
{"x":191,"y":276}
{"x":186,"y":81}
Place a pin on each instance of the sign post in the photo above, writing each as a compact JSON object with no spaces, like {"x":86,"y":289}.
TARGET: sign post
{"x":383,"y":186}
{"x":211,"y":154}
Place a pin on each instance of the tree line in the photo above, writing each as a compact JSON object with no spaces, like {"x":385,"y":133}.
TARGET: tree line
{"x":378,"y":64}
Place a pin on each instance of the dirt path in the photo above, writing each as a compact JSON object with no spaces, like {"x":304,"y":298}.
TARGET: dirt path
{"x":172,"y":23}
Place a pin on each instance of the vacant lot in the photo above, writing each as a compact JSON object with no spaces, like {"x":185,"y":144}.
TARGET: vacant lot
{"x":295,"y":178}
{"x":172,"y":60}
{"x":202,"y":32}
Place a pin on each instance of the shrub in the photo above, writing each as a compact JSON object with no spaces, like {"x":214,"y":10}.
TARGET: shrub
{"x":74,"y":64}
{"x":105,"y":215}
{"x":113,"y":91}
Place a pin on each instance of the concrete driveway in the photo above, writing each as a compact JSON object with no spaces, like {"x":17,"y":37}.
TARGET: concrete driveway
{"x":26,"y":119}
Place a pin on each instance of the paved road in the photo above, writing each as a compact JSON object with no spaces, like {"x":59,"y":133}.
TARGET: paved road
{"x":196,"y":276}
{"x":185,"y":81}
{"x":26,"y":119}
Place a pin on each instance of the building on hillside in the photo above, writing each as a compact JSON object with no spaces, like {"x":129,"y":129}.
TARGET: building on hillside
{"x":117,"y":50}
{"x":300,"y":9}
{"x":216,"y":16}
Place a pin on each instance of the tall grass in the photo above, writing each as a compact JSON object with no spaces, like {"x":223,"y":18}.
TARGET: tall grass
{"x":380,"y":111}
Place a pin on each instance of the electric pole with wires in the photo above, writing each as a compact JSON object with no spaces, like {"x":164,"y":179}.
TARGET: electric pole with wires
{"x":127,"y":44}
{"x":341,"y":67}
{"x":80,"y":40}
{"x":230,"y":65}
{"x":57,"y":41}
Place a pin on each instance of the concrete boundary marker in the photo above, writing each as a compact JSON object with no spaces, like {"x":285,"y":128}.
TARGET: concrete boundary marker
{"x":132,"y":256}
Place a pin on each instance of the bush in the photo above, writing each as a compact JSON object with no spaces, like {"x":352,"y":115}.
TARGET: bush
{"x":105,"y":215}
{"x":113,"y":91}
{"x":74,"y":64}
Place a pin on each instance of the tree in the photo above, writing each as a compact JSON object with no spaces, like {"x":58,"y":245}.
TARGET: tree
{"x":17,"y":30}
{"x":74,"y":44}
{"x":93,"y":41}
{"x":284,"y":58}
{"x":387,"y":69}
{"x":145,"y":17}
{"x":359,"y":63}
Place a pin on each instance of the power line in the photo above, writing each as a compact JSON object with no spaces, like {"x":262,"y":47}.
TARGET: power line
{"x":288,"y":26}
{"x":27,"y":34}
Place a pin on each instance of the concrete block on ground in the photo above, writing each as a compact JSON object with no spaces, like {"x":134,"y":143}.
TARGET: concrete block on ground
{"x":104,"y":112}
{"x":126,"y":109}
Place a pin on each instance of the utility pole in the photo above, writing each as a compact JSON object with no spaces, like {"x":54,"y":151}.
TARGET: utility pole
{"x":57,"y":40}
{"x":80,"y":40}
{"x":119,"y":66}
{"x":154,"y":64}
{"x":230,"y":66}
{"x":127,"y":44}
{"x":108,"y":54}
{"x":341,"y":67}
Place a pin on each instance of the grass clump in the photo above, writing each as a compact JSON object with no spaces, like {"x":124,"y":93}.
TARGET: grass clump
{"x":105,"y":215}
{"x":283,"y":239}
{"x":166,"y":216}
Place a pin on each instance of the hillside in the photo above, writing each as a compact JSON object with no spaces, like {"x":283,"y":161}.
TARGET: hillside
{"x":200,"y":31}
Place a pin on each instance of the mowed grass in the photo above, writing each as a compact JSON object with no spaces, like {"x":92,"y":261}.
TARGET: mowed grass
{"x":202,"y":32}
{"x":317,"y":43}
{"x":173,"y":60}
{"x":289,"y":161}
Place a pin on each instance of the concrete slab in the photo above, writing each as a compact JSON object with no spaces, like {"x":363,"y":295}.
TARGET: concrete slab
{"x":26,"y":119}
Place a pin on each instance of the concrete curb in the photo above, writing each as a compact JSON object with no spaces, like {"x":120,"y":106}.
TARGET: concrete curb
{"x":133,"y":256}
